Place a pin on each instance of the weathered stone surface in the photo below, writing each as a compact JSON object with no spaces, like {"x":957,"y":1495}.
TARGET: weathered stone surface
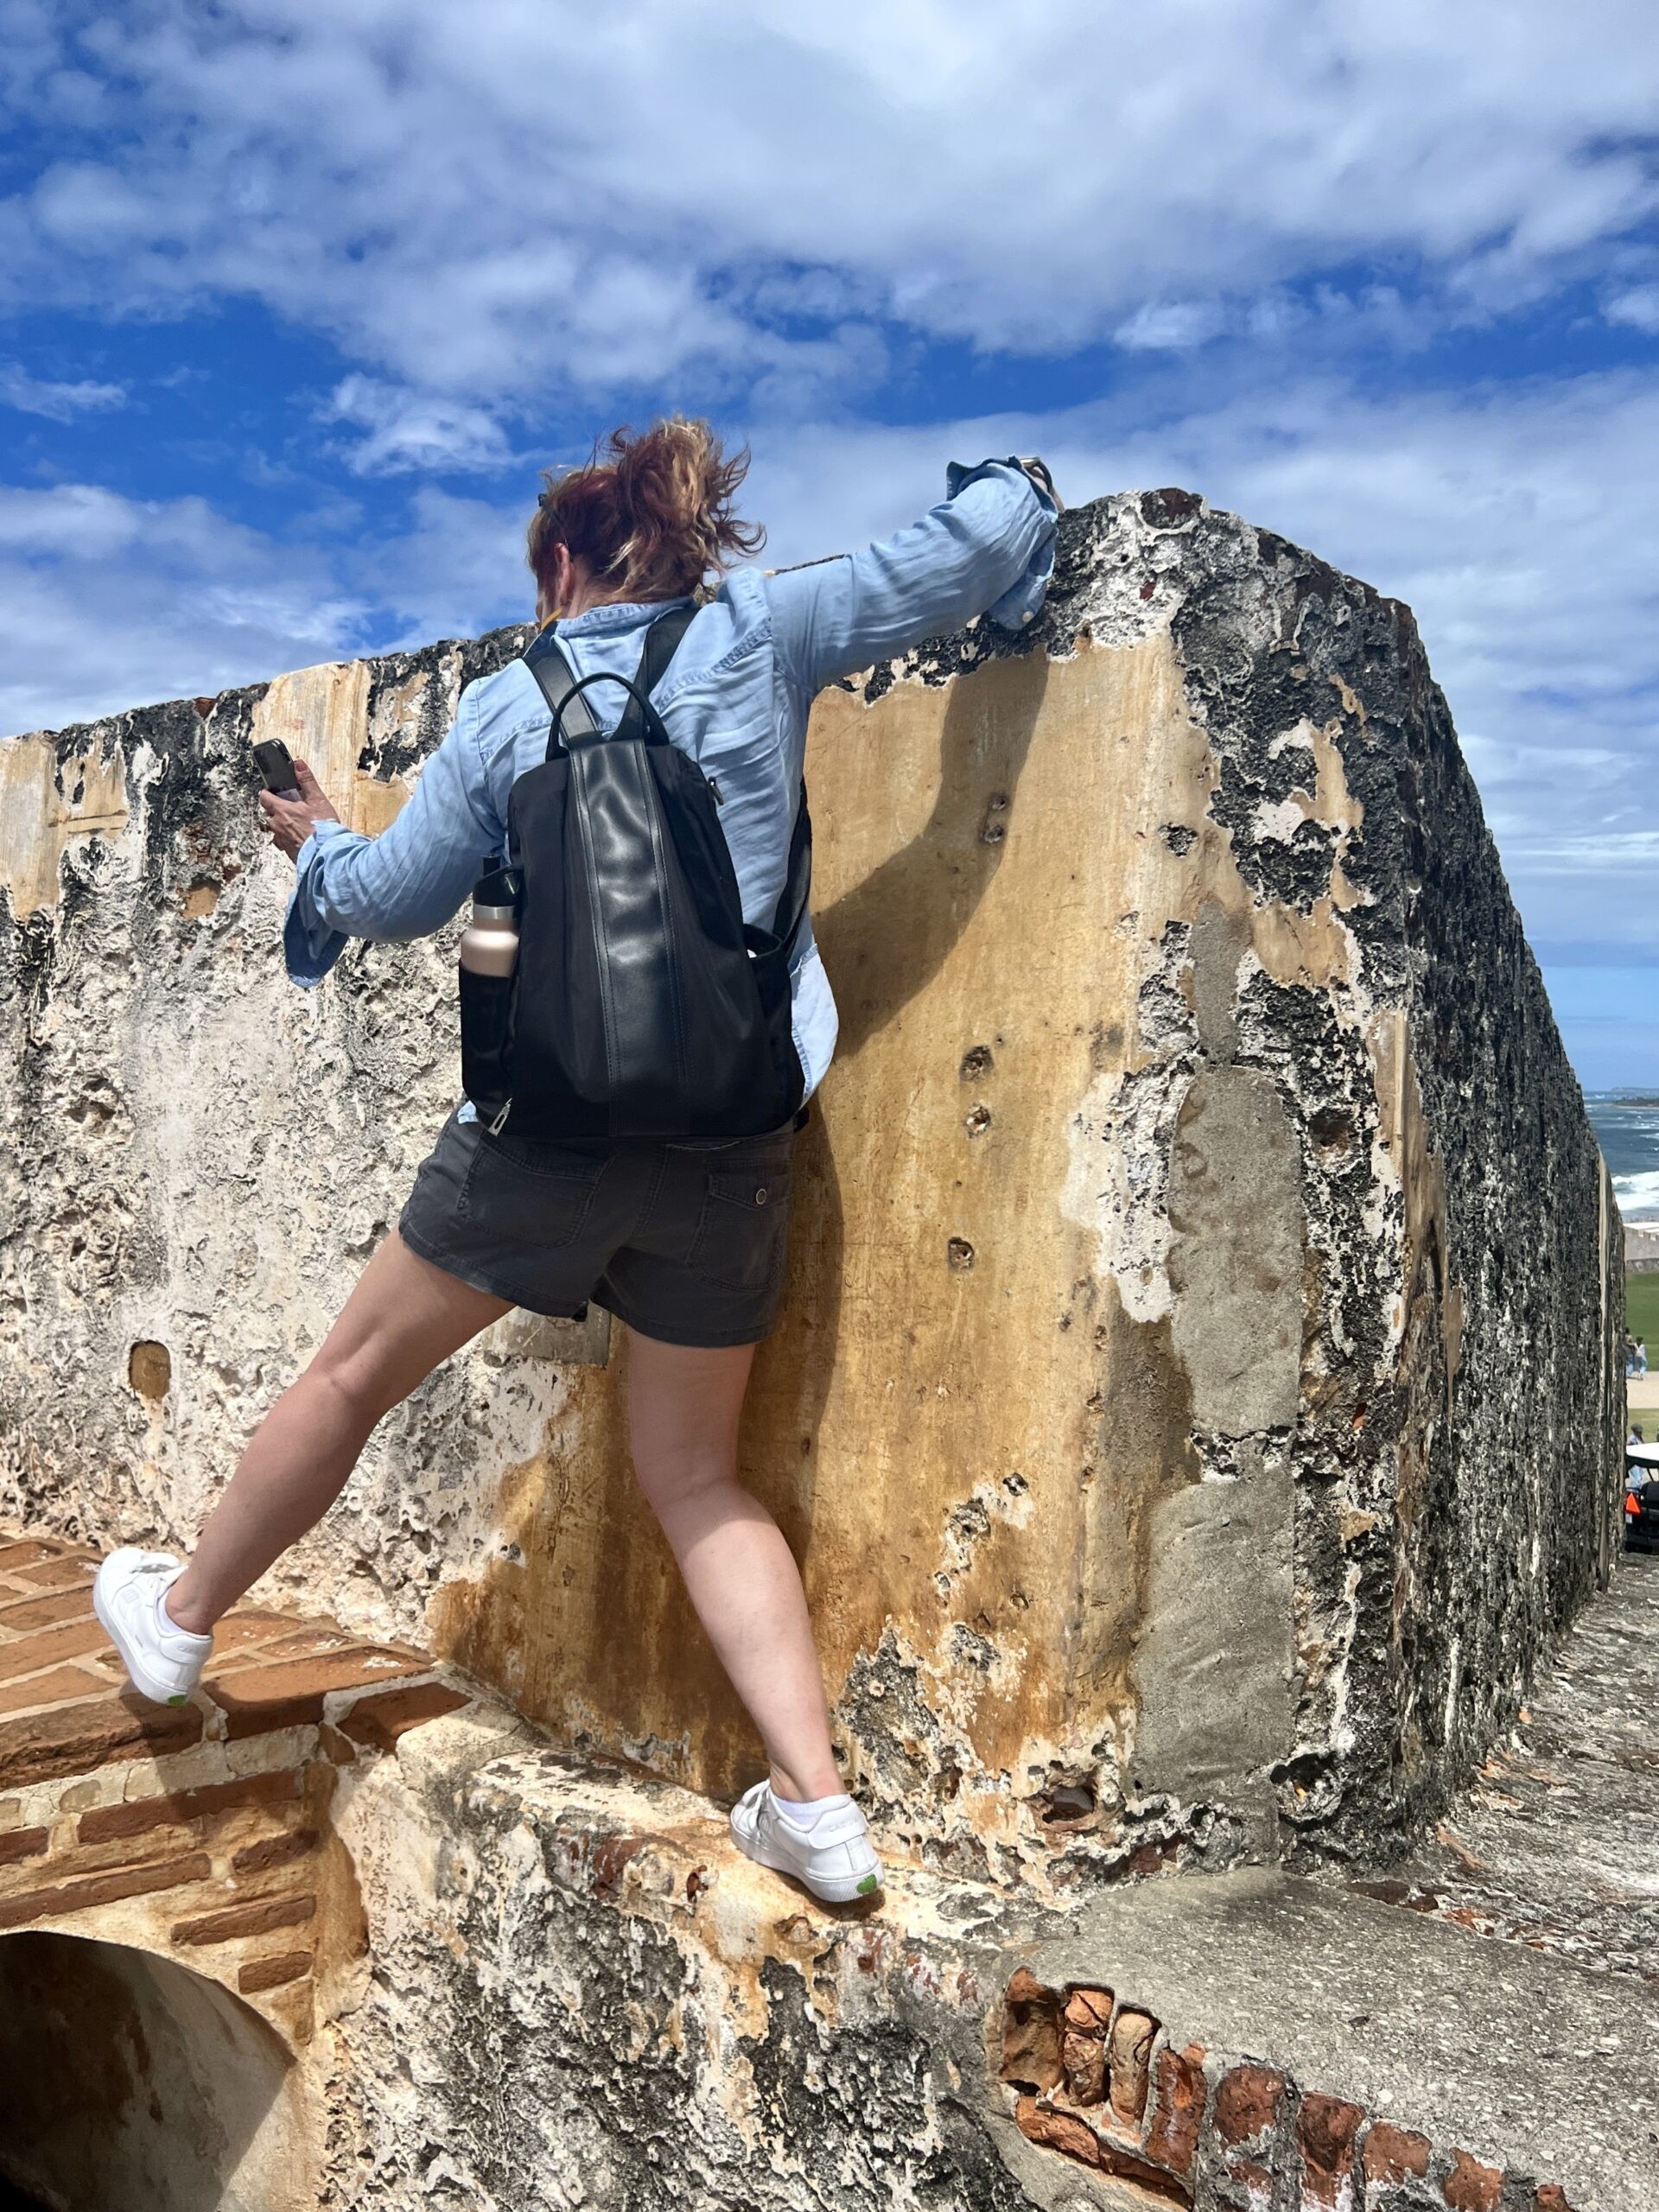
{"x":1279,"y":1191}
{"x":1236,"y":1258}
{"x":1195,"y":1413}
{"x":698,"y":2032}
{"x":1525,"y":2063}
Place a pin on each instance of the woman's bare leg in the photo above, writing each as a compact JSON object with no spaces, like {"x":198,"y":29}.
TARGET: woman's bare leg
{"x":402,"y":1319}
{"x":683,"y":1407}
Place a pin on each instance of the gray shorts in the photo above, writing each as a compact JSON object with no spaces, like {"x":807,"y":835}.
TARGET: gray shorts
{"x":685,"y":1243}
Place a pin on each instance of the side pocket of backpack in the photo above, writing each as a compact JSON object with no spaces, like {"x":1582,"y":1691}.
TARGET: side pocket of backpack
{"x":486,"y":1038}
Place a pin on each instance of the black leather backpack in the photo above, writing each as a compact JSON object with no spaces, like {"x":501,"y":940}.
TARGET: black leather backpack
{"x":642,"y":1005}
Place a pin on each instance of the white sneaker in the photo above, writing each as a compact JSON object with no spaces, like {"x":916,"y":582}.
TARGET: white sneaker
{"x":834,"y":1857}
{"x":165,"y":1663}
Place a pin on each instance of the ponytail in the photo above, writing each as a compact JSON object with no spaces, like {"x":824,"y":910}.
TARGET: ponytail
{"x":652,"y":519}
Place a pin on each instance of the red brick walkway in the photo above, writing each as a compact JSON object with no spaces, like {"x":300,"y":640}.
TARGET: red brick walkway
{"x":202,"y":1830}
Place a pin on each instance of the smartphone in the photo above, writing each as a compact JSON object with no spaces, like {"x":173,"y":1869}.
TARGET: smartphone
{"x":276,"y":767}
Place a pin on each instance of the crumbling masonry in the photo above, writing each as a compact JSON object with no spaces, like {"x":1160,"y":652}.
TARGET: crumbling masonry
{"x":1197,"y":1413}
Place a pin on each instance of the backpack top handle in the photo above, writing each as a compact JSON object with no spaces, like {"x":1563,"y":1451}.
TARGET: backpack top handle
{"x":584,"y":730}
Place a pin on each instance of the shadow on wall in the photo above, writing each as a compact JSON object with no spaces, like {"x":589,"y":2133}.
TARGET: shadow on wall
{"x":128,"y":2081}
{"x":883,"y":942}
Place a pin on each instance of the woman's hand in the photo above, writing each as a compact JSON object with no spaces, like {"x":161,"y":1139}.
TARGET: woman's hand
{"x":289,"y":821}
{"x":1037,"y":469}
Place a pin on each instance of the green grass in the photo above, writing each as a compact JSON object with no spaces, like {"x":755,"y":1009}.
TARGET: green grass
{"x":1642,"y":1310}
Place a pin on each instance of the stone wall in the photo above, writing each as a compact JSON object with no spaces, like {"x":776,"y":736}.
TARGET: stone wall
{"x":1195,"y":1410}
{"x":338,"y":1935}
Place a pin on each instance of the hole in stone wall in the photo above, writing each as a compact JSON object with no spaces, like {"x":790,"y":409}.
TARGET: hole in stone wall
{"x":1065,"y":1802}
{"x":128,"y":2081}
{"x":150,"y":1370}
{"x":1331,"y":1128}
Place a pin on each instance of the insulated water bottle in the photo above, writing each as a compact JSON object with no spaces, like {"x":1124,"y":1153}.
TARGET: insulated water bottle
{"x":489,"y":954}
{"x":489,"y":945}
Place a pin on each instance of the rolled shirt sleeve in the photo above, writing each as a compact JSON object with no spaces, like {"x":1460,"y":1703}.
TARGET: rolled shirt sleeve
{"x":987,"y":548}
{"x":406,"y":882}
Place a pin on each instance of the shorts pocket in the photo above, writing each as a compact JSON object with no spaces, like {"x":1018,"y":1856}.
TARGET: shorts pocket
{"x":535,"y":1194}
{"x":743,"y":1236}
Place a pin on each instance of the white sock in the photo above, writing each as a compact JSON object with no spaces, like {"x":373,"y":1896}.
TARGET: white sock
{"x":802,"y":1812}
{"x":165,"y":1621}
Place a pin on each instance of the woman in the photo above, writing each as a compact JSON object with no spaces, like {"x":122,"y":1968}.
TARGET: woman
{"x":683,"y":1243}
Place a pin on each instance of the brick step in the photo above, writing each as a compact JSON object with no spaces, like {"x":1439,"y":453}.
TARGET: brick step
{"x":64,"y":1707}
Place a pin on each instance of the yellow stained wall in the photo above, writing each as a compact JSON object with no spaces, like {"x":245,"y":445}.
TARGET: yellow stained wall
{"x":927,"y":1422}
{"x":980,"y":1400}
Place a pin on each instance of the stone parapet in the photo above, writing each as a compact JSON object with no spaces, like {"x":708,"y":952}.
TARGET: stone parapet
{"x":1196,"y":1410}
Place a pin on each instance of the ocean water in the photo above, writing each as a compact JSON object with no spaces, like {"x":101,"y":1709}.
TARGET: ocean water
{"x":1626,"y":1123}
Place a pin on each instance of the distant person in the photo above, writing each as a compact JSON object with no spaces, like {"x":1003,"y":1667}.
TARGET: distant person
{"x":1641,"y":1357}
{"x":1636,"y":1435}
{"x":683,"y":1239}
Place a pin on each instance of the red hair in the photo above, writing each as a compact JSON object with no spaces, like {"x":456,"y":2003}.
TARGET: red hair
{"x":653,"y":518}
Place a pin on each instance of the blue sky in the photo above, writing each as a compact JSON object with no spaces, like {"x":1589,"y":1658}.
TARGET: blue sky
{"x":299,"y":296}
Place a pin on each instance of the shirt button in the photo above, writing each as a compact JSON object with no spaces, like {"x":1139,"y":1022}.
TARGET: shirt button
{"x":761,"y":1197}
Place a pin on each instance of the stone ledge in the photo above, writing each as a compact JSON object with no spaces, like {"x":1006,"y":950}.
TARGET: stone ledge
{"x":1359,"y":2031}
{"x":1223,"y":2043}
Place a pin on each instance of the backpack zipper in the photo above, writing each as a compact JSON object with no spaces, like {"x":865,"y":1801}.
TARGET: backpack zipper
{"x":719,"y":795}
{"x":500,"y":1121}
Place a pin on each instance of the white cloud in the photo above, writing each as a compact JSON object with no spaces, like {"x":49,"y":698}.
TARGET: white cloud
{"x":509,"y":212}
{"x":1639,"y":307}
{"x":1171,"y":326}
{"x":458,"y":569}
{"x":59,"y":402}
{"x":510,"y":199}
{"x":408,"y":432}
{"x":107,"y":603}
{"x":1521,"y":524}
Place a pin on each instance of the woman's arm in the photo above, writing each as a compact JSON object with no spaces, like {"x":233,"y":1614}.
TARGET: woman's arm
{"x":405,"y":883}
{"x":988,"y":546}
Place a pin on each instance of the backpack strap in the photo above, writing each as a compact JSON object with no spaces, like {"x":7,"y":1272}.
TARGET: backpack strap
{"x":544,"y":657}
{"x":663,"y":641}
{"x":798,"y":882}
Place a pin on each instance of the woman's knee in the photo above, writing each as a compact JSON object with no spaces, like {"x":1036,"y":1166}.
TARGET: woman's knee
{"x":361,"y":1389}
{"x":670,"y":1476}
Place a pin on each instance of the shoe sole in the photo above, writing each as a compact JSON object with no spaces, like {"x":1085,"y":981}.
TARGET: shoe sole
{"x":848,"y":1890}
{"x":156,"y":1697}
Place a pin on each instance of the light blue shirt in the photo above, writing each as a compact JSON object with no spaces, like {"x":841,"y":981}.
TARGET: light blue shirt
{"x":735,"y":696}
